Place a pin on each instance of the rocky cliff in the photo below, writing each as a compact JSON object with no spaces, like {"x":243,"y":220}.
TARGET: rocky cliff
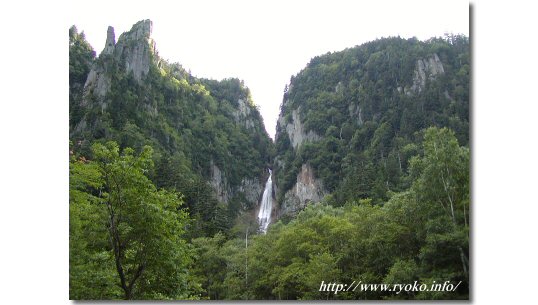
{"x":248,"y":188}
{"x":426,"y":70}
{"x":294,"y":129}
{"x":135,"y":51}
{"x":307,"y":189}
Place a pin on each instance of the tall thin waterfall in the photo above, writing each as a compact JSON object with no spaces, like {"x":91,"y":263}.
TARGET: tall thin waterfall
{"x":266,"y":206}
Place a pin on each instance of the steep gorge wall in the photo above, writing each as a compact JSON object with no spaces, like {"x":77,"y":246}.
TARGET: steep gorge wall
{"x":251,"y":189}
{"x":307,"y":189}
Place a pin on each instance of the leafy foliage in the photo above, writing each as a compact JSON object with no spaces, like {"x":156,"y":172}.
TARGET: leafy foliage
{"x":133,"y":231}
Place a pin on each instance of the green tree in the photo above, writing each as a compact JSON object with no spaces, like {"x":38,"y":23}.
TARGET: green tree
{"x":210,"y":265}
{"x":442,"y":188}
{"x":143,"y":226}
{"x":91,"y":268}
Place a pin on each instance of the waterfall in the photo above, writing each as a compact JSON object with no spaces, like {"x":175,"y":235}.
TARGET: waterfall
{"x":266,"y":206}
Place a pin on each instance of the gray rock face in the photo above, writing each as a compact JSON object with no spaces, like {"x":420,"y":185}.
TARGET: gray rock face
{"x":218,"y":183}
{"x":426,"y":69}
{"x":98,"y":83}
{"x":339,"y":87}
{"x":307,"y":189}
{"x":252,"y":189}
{"x":242,"y":114}
{"x":135,"y":50}
{"x":295,"y":130}
{"x":447,"y":96}
{"x":110,"y":41}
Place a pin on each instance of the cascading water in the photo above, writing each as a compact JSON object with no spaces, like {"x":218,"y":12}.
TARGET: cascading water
{"x":266,"y":206}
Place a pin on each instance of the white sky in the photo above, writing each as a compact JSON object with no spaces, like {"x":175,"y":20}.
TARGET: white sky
{"x":264,"y":43}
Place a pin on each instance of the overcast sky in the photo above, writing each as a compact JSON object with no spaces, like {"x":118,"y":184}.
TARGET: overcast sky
{"x":264,"y":43}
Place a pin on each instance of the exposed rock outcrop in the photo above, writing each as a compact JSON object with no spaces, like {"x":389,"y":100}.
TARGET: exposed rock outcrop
{"x":218,"y":183}
{"x":98,"y":81}
{"x":97,"y":84}
{"x":296,"y":131}
{"x":355,"y":111}
{"x":251,"y":189}
{"x":110,"y":42}
{"x":426,"y":69}
{"x":307,"y":189}
{"x":134,"y":51}
{"x":242,"y":114}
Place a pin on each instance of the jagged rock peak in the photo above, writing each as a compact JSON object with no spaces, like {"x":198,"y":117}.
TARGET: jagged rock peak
{"x":137,"y":49}
{"x":142,"y":29}
{"x":110,"y":41}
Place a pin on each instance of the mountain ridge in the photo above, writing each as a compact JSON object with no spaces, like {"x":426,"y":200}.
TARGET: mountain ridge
{"x":366,"y":102}
{"x":211,"y":130}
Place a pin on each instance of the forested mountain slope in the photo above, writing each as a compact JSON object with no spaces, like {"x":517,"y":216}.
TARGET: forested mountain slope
{"x":208,"y":137}
{"x":351,"y":120}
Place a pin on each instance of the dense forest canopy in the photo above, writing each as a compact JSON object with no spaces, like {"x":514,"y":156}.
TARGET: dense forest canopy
{"x":166,"y":169}
{"x":370,"y":115}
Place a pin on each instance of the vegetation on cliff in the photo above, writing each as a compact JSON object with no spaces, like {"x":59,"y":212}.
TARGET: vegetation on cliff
{"x":369,"y":105}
